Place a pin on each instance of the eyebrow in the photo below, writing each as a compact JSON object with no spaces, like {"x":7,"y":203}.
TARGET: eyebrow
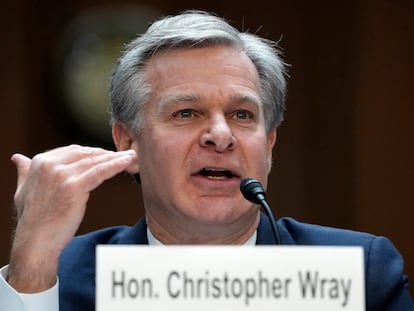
{"x":246,"y":98}
{"x":165,"y":102}
{"x":235,"y":98}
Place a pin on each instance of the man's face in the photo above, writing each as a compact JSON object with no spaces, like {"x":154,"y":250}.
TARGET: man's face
{"x":204,"y":132}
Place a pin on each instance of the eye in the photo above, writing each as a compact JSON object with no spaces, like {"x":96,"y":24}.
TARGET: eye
{"x":243,"y":114}
{"x":184,"y":114}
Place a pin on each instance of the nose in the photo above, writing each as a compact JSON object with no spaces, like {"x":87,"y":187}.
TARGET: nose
{"x":218,"y":135}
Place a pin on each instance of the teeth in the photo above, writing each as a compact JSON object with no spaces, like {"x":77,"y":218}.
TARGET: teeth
{"x":217,"y":177}
{"x":216,"y":173}
{"x":215,"y":169}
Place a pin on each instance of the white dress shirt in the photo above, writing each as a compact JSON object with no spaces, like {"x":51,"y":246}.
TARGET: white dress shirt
{"x":11,"y":300}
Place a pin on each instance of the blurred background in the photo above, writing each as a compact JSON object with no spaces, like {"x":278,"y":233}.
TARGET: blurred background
{"x":345,"y":152}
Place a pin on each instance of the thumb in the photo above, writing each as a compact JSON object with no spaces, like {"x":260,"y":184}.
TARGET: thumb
{"x":23,"y":165}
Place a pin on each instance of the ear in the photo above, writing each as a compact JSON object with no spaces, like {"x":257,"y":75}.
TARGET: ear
{"x":125,"y":139}
{"x":271,"y":141}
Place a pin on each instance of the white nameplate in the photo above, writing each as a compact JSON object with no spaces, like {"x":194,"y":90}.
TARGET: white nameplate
{"x":223,"y":278}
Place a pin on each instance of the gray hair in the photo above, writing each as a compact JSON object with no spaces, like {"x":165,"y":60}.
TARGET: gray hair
{"x":129,"y":91}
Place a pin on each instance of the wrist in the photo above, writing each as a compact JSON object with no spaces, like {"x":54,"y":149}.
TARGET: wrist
{"x":32,"y":268}
{"x":26,"y":279}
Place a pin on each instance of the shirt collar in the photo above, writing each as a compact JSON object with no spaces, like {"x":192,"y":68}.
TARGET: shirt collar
{"x":152,"y":240}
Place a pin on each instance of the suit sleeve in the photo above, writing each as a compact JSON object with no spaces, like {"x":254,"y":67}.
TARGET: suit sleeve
{"x":386,"y":283}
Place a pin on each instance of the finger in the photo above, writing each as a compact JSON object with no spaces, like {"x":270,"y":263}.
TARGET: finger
{"x":97,"y":174}
{"x":23,"y":165}
{"x":70,"y":154}
{"x":87,"y":163}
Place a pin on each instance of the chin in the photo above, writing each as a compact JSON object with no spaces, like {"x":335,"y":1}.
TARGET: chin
{"x":223,"y":215}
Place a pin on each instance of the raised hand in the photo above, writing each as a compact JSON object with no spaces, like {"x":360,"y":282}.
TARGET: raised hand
{"x":52,"y":192}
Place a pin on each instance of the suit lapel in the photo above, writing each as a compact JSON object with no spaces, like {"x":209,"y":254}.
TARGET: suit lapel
{"x":265,"y":233}
{"x":136,"y":234}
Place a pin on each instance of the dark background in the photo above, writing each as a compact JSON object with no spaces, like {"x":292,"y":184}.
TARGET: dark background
{"x":345,"y":152}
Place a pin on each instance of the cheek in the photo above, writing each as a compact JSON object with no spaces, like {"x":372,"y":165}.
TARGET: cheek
{"x":258,"y":153}
{"x":164,"y":151}
{"x":171,"y":146}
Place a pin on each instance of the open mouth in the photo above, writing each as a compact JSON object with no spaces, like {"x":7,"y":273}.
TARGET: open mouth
{"x":216,"y":173}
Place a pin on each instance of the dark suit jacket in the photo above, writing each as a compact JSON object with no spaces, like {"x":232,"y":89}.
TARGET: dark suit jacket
{"x":386,"y":284}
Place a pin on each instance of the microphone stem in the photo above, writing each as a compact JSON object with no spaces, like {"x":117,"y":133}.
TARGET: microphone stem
{"x":273,"y":224}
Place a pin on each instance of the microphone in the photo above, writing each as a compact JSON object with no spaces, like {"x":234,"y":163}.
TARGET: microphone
{"x":253,"y":191}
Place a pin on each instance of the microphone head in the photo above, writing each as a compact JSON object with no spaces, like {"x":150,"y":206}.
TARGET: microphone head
{"x":252,"y":190}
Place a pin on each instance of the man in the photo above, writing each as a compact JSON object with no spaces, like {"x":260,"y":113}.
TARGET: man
{"x":195,"y":107}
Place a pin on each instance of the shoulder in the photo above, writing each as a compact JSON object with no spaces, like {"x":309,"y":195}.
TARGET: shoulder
{"x":386,"y":283}
{"x":77,"y":263}
{"x":86,"y":243}
{"x":377,"y":249}
{"x":79,"y":254}
{"x":77,"y":268}
{"x":136,"y":234}
{"x":299,"y":233}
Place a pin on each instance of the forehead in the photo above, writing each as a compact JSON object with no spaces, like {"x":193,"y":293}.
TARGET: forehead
{"x":219,"y":68}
